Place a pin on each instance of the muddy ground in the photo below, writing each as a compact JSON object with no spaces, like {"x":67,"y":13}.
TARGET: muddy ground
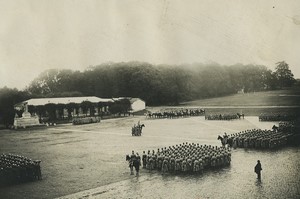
{"x":89,"y":161}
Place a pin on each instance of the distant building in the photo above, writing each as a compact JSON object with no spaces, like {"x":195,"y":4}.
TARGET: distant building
{"x":37,"y":106}
{"x":137,"y":104}
{"x":68,"y":107}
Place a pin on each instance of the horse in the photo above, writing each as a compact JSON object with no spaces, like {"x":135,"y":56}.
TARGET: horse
{"x":223,"y":141}
{"x":148,"y":115}
{"x":136,"y":164}
{"x":240,"y":115}
{"x":275,"y":128}
{"x":230,"y":141}
{"x":137,"y":130}
{"x":130,"y":162}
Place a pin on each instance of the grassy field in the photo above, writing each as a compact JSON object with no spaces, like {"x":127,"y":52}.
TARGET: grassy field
{"x":268,"y":102}
{"x":268,"y":98}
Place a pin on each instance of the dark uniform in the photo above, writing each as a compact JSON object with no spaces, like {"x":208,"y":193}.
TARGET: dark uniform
{"x":257,"y":169}
{"x":144,"y":159}
{"x":137,"y":163}
{"x":131,"y":161}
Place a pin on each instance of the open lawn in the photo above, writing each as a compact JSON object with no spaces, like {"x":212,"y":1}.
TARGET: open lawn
{"x":251,"y":104}
{"x":269,"y":98}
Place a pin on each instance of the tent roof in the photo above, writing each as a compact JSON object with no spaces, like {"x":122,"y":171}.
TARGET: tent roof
{"x":131,"y":99}
{"x":135,"y":99}
{"x":63,"y":100}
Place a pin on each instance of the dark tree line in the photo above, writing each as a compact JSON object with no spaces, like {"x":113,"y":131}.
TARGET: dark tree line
{"x":8,"y":98}
{"x":160,"y":85}
{"x":157,"y":85}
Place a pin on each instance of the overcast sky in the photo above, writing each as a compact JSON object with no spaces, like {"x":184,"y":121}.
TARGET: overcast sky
{"x":74,"y":34}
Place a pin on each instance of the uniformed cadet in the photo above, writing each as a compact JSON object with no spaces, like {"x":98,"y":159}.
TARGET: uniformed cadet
{"x":132,"y":160}
{"x":144,"y":159}
{"x":137,"y":163}
{"x":172,"y":164}
{"x":184,"y":166}
{"x":196,"y":166}
{"x":178,"y":164}
{"x":165,"y":165}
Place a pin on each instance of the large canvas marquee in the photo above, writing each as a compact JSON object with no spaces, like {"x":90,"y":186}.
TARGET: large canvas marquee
{"x":61,"y":100}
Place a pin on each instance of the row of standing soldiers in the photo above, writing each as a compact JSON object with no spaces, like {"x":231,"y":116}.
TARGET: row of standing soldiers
{"x":17,"y":169}
{"x":258,"y":138}
{"x":276,"y":117}
{"x":186,"y":157}
{"x":176,"y":113}
{"x":222,"y":117}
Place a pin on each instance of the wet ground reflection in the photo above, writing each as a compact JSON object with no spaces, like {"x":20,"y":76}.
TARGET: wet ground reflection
{"x":89,"y":162}
{"x":280,"y":179}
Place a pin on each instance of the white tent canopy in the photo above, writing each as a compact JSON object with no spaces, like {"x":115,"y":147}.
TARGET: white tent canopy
{"x":62,"y":100}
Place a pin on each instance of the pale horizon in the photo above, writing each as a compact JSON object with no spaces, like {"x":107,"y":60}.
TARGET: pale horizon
{"x":40,"y":35}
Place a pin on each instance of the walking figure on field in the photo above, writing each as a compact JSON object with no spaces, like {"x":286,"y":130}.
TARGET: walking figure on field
{"x":257,"y":169}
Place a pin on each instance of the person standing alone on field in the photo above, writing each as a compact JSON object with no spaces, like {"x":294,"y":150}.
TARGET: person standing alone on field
{"x":257,"y":169}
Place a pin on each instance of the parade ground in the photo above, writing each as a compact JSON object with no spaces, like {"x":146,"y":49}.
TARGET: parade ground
{"x":88,"y":161}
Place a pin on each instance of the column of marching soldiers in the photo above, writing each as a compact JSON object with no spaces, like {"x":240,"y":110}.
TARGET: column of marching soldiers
{"x":182,"y":158}
{"x":17,"y":169}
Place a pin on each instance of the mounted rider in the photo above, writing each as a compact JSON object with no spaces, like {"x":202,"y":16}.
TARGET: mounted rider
{"x":225,"y":138}
{"x":137,"y":129}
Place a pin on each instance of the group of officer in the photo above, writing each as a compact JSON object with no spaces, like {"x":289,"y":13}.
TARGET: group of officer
{"x":17,"y":169}
{"x":186,"y":158}
{"x":258,"y":138}
{"x":134,"y":161}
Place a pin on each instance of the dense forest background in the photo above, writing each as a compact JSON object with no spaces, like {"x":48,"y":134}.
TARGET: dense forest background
{"x":156,"y":84}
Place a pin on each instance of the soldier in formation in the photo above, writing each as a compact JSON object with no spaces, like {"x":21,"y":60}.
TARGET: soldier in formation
{"x":134,"y":161}
{"x":222,"y":117}
{"x":258,"y":138}
{"x":17,"y":169}
{"x":187,"y":158}
{"x":287,"y":126}
{"x":276,"y":117}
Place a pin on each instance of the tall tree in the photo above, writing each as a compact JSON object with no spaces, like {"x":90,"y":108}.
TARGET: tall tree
{"x":284,"y":75}
{"x":8,"y":98}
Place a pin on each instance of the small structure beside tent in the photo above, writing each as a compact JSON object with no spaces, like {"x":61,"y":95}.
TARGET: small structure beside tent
{"x":26,"y":121}
{"x":137,"y":104}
